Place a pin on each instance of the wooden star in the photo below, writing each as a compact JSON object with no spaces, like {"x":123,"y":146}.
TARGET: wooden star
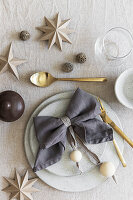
{"x":10,"y":63}
{"x":56,"y":31}
{"x":21,"y":188}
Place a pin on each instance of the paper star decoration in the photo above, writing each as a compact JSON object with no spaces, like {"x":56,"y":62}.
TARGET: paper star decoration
{"x":21,"y":188}
{"x":56,"y":31}
{"x":10,"y":63}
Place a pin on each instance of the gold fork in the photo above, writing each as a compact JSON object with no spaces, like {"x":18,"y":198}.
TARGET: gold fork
{"x":107,"y":120}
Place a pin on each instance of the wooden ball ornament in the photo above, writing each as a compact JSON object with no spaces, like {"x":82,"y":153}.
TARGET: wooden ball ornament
{"x":75,"y":156}
{"x":107,"y":169}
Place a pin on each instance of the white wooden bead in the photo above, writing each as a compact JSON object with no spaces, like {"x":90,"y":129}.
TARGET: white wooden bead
{"x":75,"y":156}
{"x":107,"y":169}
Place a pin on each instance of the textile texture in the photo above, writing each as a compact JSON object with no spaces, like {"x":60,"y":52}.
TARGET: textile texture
{"x":89,"y":19}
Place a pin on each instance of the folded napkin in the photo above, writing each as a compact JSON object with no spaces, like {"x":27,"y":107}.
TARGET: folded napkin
{"x":80,"y":119}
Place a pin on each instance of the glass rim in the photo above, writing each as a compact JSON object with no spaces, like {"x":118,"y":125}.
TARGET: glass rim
{"x":124,"y":29}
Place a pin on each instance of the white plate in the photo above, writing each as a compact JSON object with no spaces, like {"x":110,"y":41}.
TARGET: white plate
{"x":124,"y":88}
{"x":77,"y":183}
{"x":65,"y":167}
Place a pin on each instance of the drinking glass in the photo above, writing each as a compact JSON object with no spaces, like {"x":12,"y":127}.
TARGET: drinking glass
{"x":113,"y":48}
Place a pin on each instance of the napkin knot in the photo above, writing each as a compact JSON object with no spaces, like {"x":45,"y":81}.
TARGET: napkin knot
{"x":72,"y":139}
{"x":66,"y":120}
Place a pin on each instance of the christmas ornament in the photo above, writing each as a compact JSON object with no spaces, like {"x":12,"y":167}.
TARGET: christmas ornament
{"x":10,"y":63}
{"x":11,"y":106}
{"x":81,"y":58}
{"x":21,"y":188}
{"x":55,"y":31}
{"x":67,"y":67}
{"x":24,"y":35}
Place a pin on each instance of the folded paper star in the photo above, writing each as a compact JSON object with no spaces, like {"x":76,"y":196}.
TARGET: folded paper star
{"x":21,"y":188}
{"x":10,"y":63}
{"x":56,"y":31}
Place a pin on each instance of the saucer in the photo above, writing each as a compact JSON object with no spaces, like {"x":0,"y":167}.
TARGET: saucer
{"x":124,"y":88}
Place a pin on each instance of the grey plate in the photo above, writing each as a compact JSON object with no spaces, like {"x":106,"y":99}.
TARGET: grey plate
{"x":77,"y":183}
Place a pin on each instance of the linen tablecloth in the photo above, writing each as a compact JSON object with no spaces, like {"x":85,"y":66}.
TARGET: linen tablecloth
{"x":90,"y":19}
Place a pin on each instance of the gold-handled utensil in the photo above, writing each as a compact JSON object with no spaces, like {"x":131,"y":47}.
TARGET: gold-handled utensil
{"x":44,"y":79}
{"x":105,"y":117}
{"x":119,"y":153}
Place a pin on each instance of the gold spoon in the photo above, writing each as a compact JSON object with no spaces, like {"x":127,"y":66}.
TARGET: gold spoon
{"x":44,"y":79}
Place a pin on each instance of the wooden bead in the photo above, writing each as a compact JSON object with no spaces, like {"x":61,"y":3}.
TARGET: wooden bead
{"x":107,"y":169}
{"x":75,"y":156}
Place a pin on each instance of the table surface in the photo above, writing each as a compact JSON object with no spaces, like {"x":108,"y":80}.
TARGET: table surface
{"x":90,"y":19}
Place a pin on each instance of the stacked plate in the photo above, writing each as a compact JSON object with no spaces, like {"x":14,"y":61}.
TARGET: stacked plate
{"x":64,"y":175}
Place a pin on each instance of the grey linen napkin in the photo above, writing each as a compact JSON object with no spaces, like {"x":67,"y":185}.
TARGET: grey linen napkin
{"x":51,"y":132}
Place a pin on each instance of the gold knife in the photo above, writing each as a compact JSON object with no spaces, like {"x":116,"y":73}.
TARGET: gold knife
{"x":107,"y":120}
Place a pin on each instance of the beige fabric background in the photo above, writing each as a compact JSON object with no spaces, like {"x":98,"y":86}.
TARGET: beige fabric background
{"x":90,"y":18}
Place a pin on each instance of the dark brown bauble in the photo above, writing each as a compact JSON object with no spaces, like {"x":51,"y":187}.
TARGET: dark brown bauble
{"x":11,"y":106}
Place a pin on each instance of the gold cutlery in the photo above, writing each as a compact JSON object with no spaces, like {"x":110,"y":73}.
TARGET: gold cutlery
{"x":107,"y":120}
{"x":44,"y":79}
{"x":119,"y":153}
